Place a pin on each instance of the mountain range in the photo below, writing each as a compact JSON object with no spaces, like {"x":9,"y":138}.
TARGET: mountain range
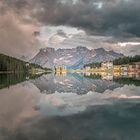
{"x":74,"y":58}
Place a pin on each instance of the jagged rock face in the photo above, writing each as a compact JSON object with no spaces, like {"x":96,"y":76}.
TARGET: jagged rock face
{"x":73,"y":58}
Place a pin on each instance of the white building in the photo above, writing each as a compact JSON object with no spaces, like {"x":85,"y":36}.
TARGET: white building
{"x":124,"y":68}
{"x":27,"y":64}
{"x":107,"y":65}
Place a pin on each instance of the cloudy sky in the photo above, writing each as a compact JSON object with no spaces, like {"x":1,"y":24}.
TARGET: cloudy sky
{"x":28,"y":25}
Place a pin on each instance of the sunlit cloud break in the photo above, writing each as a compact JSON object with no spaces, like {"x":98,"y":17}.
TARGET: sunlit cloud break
{"x":123,"y":44}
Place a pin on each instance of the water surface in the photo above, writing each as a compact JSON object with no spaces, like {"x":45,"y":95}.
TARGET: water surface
{"x":69,"y":107}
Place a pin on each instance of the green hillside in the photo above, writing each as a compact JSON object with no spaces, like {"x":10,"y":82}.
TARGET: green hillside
{"x":10,"y":64}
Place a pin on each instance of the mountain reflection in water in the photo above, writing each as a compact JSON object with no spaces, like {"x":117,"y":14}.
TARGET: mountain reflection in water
{"x":73,"y":83}
{"x":62,"y":114}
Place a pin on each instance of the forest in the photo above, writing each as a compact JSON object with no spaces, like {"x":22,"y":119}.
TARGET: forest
{"x":126,"y":60}
{"x":119,"y":61}
{"x":11,"y":64}
{"x":93,"y":65}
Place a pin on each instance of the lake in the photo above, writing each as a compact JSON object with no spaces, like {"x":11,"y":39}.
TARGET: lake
{"x":73,"y":106}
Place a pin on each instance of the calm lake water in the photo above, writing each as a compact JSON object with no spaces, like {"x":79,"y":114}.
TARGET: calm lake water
{"x":69,"y":107}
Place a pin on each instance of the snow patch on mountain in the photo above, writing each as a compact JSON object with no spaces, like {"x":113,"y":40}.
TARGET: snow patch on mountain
{"x":73,"y":58}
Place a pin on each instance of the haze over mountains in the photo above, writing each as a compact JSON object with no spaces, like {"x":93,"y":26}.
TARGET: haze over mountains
{"x":73,"y":58}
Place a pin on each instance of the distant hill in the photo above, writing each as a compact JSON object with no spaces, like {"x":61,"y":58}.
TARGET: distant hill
{"x":74,"y":58}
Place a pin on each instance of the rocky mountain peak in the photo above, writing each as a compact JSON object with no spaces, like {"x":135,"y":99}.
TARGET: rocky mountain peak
{"x":73,"y":58}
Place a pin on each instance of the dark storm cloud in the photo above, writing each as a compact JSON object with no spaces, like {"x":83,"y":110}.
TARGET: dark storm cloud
{"x":108,"y":17}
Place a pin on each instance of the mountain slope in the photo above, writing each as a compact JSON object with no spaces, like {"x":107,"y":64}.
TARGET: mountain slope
{"x":73,"y":58}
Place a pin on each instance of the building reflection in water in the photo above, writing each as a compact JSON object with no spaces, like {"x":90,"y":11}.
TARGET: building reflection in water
{"x":112,"y":75}
{"x":73,"y":83}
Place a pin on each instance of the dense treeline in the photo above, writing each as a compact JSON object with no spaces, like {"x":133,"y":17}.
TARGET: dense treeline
{"x":13,"y":71}
{"x":93,"y":65}
{"x":11,"y":64}
{"x":8,"y":63}
{"x":119,"y":61}
{"x":126,"y":60}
